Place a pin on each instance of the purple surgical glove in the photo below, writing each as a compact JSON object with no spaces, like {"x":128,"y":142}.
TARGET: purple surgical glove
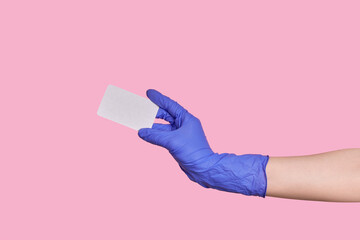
{"x":185,"y":139}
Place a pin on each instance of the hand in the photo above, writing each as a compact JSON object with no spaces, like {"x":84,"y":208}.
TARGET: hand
{"x":185,"y":139}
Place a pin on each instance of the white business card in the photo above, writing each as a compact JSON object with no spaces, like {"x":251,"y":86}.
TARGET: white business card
{"x":127,"y":108}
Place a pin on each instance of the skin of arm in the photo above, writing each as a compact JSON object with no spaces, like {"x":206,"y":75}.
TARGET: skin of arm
{"x":330,"y":176}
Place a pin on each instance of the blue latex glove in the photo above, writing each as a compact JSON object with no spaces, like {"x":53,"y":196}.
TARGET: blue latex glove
{"x":186,"y":141}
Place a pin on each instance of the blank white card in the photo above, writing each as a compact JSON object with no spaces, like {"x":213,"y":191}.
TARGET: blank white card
{"x":127,"y":108}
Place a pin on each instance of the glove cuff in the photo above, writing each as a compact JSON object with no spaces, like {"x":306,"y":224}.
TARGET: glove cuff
{"x":245,"y":174}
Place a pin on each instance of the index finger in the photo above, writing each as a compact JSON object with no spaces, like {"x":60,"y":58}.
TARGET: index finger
{"x":166,"y":103}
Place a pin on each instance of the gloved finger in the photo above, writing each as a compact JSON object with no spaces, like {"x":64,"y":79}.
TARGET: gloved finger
{"x":154,"y":136}
{"x":164,"y":102}
{"x":162,"y":127}
{"x":165,"y":115}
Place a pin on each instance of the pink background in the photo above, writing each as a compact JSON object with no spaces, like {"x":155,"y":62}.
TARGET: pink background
{"x":271,"y":77}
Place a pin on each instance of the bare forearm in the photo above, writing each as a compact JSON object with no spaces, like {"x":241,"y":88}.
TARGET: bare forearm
{"x":329,"y":176}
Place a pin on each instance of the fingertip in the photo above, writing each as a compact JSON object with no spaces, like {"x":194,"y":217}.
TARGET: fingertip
{"x":142,"y":132}
{"x":139,"y":133}
{"x":150,"y":91}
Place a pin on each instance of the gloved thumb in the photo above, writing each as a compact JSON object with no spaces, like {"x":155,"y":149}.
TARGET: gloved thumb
{"x":154,"y":136}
